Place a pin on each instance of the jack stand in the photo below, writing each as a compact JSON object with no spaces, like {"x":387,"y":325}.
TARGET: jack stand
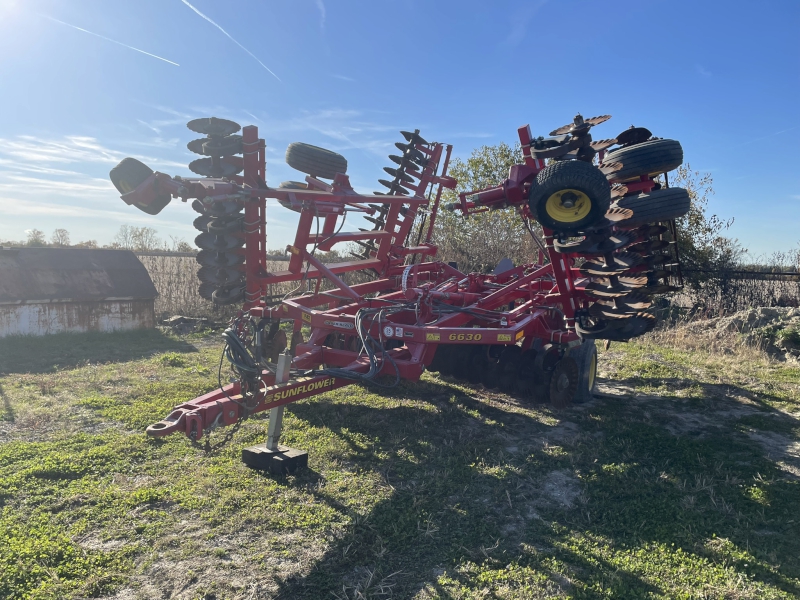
{"x":272,"y":457}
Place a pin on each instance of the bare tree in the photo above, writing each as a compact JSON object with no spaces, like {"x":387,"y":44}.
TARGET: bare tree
{"x":137,"y":238}
{"x":35,"y":238}
{"x":60,"y":237}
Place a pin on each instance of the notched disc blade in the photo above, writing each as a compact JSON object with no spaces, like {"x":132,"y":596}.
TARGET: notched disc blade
{"x":220,"y":243}
{"x":213,"y":126}
{"x":399,"y":174}
{"x":648,"y":246}
{"x":616,"y":214}
{"x":610,"y":168}
{"x":618,"y":190}
{"x":599,"y":145}
{"x":634,"y":135}
{"x":597,"y":120}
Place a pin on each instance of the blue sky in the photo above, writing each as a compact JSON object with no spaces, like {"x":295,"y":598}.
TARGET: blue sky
{"x":721,"y":77}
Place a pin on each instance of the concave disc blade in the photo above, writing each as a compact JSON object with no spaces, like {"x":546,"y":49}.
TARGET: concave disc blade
{"x":196,"y":146}
{"x":634,"y":135}
{"x":224,"y":208}
{"x":603,"y":144}
{"x":206,"y":290}
{"x":594,"y":244}
{"x":610,"y":168}
{"x":221,"y":243}
{"x":205,"y":167}
{"x":616,"y":214}
{"x":613,"y":265}
{"x":413,"y":137}
{"x":648,"y":246}
{"x":213,"y":126}
{"x":201,"y":223}
{"x":219,"y":260}
{"x":219,"y":276}
{"x":603,"y":311}
{"x":398,"y":174}
{"x":597,"y":120}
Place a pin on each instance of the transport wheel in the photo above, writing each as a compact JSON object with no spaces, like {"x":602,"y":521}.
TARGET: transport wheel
{"x":315,"y":161}
{"x":659,"y":205}
{"x":648,"y":158}
{"x":585,"y":356}
{"x":564,"y":383}
{"x":509,"y":368}
{"x":569,"y":196}
{"x":130,"y":174}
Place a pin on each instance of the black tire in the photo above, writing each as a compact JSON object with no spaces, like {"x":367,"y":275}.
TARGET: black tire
{"x":525,"y":385}
{"x":659,"y":205}
{"x":648,"y":158}
{"x":543,"y":365}
{"x":130,"y":174}
{"x":315,"y":161}
{"x":555,"y":182}
{"x":586,"y":357}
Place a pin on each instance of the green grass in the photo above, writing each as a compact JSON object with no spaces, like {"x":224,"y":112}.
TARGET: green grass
{"x":684,"y":484}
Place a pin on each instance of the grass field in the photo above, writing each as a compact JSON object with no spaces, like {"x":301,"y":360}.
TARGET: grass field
{"x":681,"y":480}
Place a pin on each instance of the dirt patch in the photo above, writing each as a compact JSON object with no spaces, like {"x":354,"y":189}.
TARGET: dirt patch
{"x":560,"y":487}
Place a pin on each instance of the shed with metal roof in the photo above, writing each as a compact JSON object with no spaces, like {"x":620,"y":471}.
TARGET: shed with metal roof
{"x":55,"y":290}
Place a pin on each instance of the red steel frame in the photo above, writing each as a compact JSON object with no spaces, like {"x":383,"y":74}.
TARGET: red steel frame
{"x":536,"y":301}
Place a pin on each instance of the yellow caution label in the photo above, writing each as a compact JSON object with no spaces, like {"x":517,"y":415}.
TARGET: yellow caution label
{"x":503,"y":337}
{"x":519,"y":336}
{"x":432,"y":337}
{"x":307,"y":317}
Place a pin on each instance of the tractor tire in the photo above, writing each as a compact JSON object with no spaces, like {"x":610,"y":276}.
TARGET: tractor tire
{"x":578,"y":181}
{"x":648,"y":158}
{"x":543,"y":366}
{"x":659,"y":205}
{"x":585,"y":356}
{"x":130,"y":174}
{"x":315,"y":161}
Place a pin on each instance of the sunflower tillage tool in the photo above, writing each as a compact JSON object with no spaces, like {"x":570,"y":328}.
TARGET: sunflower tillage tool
{"x":608,"y":245}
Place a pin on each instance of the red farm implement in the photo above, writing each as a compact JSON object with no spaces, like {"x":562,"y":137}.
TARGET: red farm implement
{"x":607,"y":245}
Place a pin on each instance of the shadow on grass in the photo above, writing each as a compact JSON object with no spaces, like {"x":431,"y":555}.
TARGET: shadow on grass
{"x":47,"y":354}
{"x":472,"y":484}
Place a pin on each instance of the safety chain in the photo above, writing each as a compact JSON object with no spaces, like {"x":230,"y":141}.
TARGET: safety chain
{"x":208,"y":448}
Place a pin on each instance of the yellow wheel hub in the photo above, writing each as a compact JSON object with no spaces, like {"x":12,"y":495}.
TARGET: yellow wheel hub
{"x":592,"y":371}
{"x":568,"y":206}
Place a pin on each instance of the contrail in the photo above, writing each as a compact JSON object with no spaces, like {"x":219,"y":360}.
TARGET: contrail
{"x":102,"y":37}
{"x":231,"y":39}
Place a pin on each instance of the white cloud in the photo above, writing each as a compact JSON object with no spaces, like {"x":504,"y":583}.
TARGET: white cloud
{"x":520,"y":23}
{"x":322,"y":14}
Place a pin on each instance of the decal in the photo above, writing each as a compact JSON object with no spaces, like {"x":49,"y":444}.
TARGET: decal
{"x":432,"y":337}
{"x":307,"y":317}
{"x":461,"y":337}
{"x":388,"y":331}
{"x":300,"y":389}
{"x":520,"y":334}
{"x":503,"y":337}
{"x":398,"y":332}
{"x":340,"y":324}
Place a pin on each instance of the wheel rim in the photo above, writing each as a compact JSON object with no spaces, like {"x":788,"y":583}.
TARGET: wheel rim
{"x":568,"y":206}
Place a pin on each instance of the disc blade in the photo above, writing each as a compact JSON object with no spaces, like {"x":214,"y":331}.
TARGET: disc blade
{"x":205,"y":167}
{"x":221,"y":243}
{"x":218,"y":260}
{"x":213,"y":126}
{"x":648,"y":246}
{"x":603,"y":144}
{"x":196,"y":146}
{"x":413,"y":137}
{"x":634,"y":135}
{"x":597,"y":120}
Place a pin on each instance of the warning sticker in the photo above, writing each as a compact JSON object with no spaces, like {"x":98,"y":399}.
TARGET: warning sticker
{"x":519,"y":335}
{"x":503,"y":337}
{"x":307,"y":317}
{"x":432,"y":337}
